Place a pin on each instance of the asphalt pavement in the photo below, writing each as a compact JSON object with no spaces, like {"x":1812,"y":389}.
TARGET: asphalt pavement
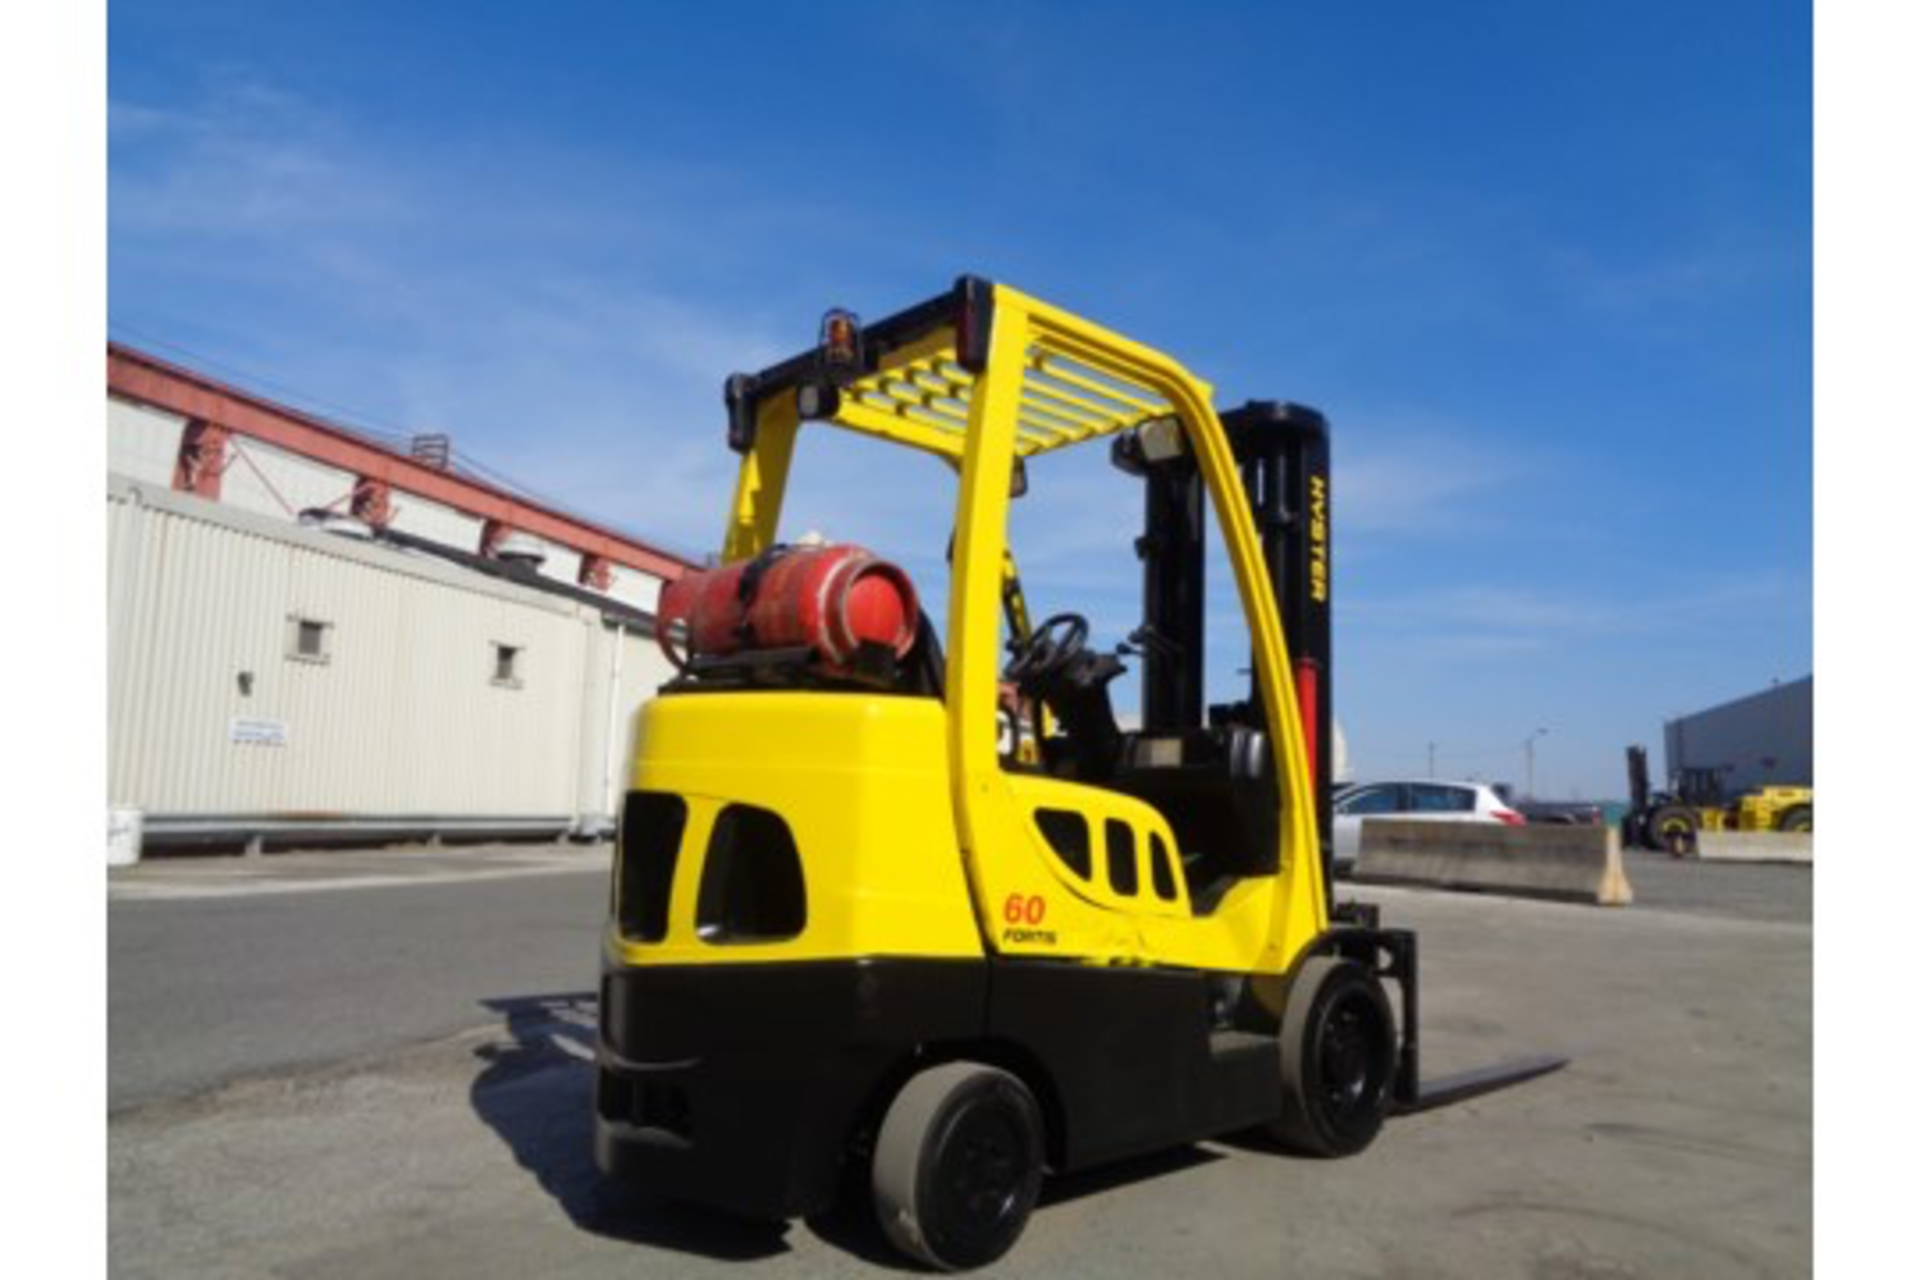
{"x":1781,"y":892}
{"x":394,"y":1079}
{"x":224,"y":968}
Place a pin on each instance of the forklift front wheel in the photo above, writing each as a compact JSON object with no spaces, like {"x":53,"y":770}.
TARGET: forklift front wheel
{"x":1675,"y":830}
{"x":1337,"y":1055}
{"x":957,"y":1166}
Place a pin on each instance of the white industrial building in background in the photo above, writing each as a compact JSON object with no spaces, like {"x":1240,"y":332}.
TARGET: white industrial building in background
{"x":312,"y":635}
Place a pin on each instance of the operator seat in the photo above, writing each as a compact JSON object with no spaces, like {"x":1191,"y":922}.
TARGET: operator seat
{"x":1218,"y":791}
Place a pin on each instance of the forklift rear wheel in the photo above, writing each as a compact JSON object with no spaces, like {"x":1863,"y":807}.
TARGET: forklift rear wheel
{"x":957,"y":1166}
{"x":1337,"y":1052}
{"x":1799,"y":818}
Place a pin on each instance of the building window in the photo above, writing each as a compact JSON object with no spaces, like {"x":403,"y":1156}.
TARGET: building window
{"x":506,"y":665}
{"x":309,"y":640}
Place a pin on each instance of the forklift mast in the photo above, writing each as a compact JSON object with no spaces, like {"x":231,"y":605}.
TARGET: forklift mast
{"x":1282,"y":453}
{"x":1639,"y":788}
{"x":1284,"y":464}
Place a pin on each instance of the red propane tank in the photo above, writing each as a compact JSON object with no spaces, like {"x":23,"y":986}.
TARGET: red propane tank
{"x":828,"y":599}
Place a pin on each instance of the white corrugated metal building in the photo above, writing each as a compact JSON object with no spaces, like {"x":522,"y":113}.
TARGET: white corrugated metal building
{"x":426,"y":654}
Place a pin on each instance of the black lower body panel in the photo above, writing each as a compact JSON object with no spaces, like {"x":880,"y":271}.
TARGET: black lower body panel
{"x":741,"y":1086}
{"x":738,"y":1086}
{"x":1134,"y":1055}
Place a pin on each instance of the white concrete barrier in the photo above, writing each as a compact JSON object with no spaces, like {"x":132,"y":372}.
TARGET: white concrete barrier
{"x":123,"y":837}
{"x":1757,"y":846}
{"x":1550,"y":860}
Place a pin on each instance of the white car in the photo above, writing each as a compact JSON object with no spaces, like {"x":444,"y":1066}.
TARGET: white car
{"x":1425,"y":799}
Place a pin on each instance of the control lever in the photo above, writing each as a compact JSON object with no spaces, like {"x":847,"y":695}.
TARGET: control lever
{"x":1144,"y":640}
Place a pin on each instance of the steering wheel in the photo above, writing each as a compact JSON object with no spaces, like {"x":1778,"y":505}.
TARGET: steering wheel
{"x":1052,"y":645}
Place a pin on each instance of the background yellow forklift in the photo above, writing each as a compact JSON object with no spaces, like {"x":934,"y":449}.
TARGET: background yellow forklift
{"x":862,"y":933}
{"x":1671,"y":821}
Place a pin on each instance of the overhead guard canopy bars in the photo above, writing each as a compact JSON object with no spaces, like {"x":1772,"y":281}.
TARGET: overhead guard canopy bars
{"x":914,"y":378}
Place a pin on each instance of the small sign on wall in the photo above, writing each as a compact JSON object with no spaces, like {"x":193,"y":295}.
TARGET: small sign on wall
{"x":257,"y":733}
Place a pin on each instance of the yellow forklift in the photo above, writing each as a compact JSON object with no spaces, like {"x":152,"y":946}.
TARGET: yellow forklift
{"x":1671,"y":821}
{"x":867,"y":934}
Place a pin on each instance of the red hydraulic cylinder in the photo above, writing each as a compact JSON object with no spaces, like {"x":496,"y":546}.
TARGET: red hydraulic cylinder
{"x":1306,"y":687}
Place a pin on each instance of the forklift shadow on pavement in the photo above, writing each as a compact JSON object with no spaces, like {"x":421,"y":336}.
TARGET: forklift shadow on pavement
{"x":535,"y":1091}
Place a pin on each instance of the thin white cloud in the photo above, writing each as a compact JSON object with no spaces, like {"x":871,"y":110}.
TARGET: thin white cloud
{"x":1401,"y":475}
{"x":245,"y":159}
{"x":1731,"y":266}
{"x":1498,"y":619}
{"x":448,"y":306}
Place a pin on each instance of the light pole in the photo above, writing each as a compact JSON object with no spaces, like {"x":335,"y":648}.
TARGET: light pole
{"x":1537,"y":733}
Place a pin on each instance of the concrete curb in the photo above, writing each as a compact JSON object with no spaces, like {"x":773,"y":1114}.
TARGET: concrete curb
{"x":1568,"y":863}
{"x":1757,"y":846}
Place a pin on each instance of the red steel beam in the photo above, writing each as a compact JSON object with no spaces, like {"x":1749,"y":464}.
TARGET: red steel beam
{"x":135,"y":375}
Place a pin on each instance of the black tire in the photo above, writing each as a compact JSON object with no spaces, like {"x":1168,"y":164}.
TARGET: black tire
{"x":1675,"y":829}
{"x":1798,"y":818}
{"x":1338,"y":1052}
{"x":1633,"y":831}
{"x":958,"y":1164}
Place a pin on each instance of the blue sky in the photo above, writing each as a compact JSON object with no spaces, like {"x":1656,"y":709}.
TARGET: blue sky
{"x":1547,"y":268}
